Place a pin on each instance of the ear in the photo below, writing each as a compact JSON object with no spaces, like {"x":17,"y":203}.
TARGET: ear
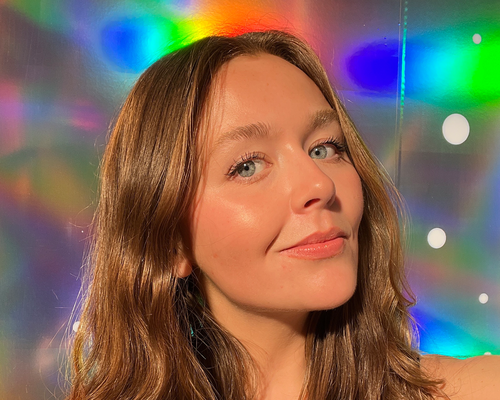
{"x":183,"y":267}
{"x":183,"y":256}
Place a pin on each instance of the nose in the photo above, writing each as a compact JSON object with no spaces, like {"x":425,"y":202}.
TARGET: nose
{"x":311,"y":187}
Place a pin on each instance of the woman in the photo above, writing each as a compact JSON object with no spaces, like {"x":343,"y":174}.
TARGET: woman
{"x":247,"y":242}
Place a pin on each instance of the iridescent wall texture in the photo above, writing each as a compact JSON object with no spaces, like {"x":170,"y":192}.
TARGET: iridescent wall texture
{"x":401,"y":67}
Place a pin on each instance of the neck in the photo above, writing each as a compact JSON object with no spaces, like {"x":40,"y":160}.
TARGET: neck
{"x":276,"y":342}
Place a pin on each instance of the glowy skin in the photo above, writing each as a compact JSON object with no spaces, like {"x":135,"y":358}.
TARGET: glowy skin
{"x":244,"y":219}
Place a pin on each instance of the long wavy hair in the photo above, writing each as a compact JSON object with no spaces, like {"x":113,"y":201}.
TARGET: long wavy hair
{"x":146,"y":333}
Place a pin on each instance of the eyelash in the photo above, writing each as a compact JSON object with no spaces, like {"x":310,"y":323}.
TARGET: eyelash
{"x":341,"y":148}
{"x":243,"y":159}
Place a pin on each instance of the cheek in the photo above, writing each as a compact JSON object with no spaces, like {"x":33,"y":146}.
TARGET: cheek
{"x":229,"y":231}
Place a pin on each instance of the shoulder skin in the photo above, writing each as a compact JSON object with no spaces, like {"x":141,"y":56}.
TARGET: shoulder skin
{"x":475,"y":378}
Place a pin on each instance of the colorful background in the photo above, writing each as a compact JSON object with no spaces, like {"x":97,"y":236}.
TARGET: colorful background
{"x":401,"y":67}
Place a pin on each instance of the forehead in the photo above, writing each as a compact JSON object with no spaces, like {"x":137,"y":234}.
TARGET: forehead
{"x":261,"y":89}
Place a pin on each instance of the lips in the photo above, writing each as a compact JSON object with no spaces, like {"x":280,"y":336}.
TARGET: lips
{"x":319,"y":245}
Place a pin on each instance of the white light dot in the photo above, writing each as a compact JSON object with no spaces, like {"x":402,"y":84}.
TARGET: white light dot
{"x":487,"y":353}
{"x":76,"y":326}
{"x":456,"y":129}
{"x":436,"y":238}
{"x":483,"y":298}
{"x":476,"y":38}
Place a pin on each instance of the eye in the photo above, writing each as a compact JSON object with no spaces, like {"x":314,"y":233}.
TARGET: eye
{"x":322,"y":151}
{"x":247,"y":166}
{"x":327,"y":149}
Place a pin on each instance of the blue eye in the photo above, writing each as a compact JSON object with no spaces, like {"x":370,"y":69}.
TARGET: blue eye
{"x":327,"y":149}
{"x":247,"y":166}
{"x":321,"y":152}
{"x":246,"y":169}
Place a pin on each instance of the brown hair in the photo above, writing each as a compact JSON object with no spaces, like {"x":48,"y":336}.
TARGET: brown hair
{"x":147,"y":334}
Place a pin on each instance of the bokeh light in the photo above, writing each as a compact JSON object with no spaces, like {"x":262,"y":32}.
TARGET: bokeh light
{"x":436,"y":238}
{"x":456,"y":129}
{"x":483,"y":298}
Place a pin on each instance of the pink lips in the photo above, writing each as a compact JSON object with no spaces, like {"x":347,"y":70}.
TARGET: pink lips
{"x":319,"y":245}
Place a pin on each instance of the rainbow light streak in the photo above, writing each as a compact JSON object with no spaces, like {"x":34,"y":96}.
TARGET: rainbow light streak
{"x":132,"y":44}
{"x":440,"y":314}
{"x":444,"y":67}
{"x":402,"y":94}
{"x":132,"y":41}
{"x":449,"y":68}
{"x":447,"y":338}
{"x":403,"y":69}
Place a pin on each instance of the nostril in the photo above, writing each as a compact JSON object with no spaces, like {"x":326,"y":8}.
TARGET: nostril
{"x":311,"y":202}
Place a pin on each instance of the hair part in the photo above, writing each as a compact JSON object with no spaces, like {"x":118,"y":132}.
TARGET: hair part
{"x":147,"y":334}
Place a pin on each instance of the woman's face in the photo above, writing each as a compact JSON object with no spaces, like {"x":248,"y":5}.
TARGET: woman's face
{"x":275,"y":223}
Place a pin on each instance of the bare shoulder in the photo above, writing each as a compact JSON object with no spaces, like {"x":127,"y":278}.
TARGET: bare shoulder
{"x":475,"y":378}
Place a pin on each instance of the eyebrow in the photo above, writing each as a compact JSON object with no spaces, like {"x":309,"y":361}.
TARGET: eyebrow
{"x":259,"y":130}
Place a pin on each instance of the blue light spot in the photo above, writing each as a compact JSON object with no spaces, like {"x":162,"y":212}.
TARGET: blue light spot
{"x":438,"y":336}
{"x":124,"y":42}
{"x":375,"y":66}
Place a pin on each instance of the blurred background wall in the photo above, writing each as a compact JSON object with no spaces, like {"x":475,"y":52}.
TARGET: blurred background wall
{"x":420,"y":78}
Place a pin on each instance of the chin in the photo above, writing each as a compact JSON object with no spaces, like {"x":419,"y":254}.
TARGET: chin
{"x":329,"y":302}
